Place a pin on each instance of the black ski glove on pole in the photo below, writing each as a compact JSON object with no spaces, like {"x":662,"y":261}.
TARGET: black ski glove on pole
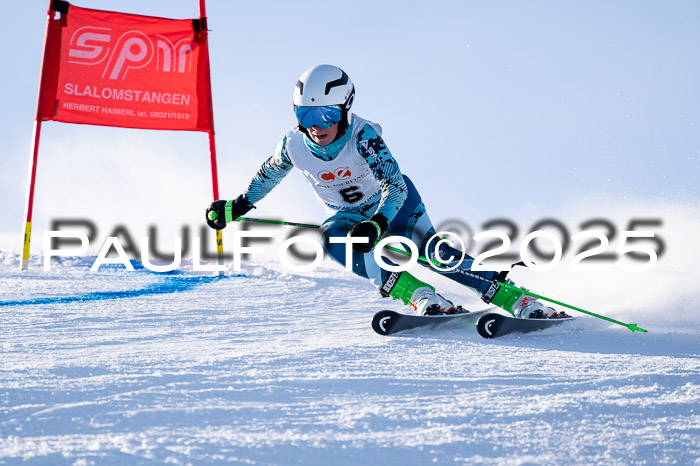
{"x":221,"y":213}
{"x":371,"y":229}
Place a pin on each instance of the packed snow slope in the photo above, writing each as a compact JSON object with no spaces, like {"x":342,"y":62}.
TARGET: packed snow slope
{"x":272,"y":367}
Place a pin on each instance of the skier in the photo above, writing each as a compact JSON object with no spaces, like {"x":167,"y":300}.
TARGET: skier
{"x":354,"y":175}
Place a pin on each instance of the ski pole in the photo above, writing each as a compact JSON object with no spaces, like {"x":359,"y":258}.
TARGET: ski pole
{"x":632,"y":327}
{"x":507,"y":286}
{"x":276,"y":222}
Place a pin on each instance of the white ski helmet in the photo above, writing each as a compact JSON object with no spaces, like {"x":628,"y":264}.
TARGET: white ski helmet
{"x":325,"y":85}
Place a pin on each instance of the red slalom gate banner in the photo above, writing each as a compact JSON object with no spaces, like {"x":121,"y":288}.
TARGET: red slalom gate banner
{"x":116,"y":69}
{"x":132,"y":71}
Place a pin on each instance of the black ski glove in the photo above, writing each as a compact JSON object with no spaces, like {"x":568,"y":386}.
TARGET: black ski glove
{"x":371,"y":229}
{"x":221,"y":213}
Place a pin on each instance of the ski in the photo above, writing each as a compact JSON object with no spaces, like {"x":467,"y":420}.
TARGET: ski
{"x":493,"y":325}
{"x":389,"y":322}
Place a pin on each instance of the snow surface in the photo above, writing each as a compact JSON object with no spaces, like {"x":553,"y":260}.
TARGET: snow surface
{"x":271,"y":367}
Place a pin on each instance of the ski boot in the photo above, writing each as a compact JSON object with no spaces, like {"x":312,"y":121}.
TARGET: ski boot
{"x":520,"y":304}
{"x":421,"y":296}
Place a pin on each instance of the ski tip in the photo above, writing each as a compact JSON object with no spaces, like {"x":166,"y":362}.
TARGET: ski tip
{"x":382,"y":322}
{"x":636,"y":328}
{"x":488,"y":324}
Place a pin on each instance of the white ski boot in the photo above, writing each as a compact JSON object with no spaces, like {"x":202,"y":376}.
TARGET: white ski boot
{"x":421,"y":296}
{"x":427,"y":302}
{"x":518,"y":303}
{"x":527,"y":307}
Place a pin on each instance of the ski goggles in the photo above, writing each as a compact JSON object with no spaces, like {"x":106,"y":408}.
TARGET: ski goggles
{"x":323,"y":117}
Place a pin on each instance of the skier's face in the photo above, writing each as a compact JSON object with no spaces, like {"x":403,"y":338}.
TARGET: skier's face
{"x":321,"y":136}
